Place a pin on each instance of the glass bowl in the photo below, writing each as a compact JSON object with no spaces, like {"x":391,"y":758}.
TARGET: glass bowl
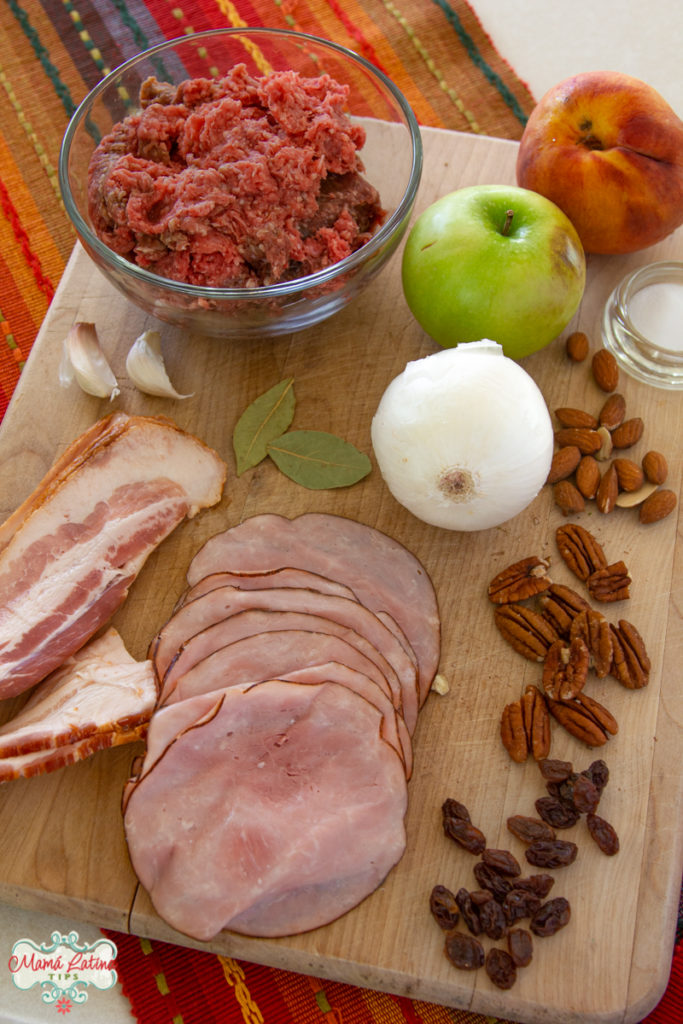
{"x":391,"y":157}
{"x":643,"y":324}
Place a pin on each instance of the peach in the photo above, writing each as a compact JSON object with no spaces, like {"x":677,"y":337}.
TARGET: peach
{"x":608,"y":150}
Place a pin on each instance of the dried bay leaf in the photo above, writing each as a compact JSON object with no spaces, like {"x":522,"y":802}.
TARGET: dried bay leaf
{"x":264,"y":420}
{"x":318,"y":460}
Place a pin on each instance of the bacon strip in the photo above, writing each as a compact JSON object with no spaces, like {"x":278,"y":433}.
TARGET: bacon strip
{"x":74,"y":547}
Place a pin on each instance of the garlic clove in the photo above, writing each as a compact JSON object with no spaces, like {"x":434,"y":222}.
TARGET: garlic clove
{"x":145,"y":367}
{"x":84,"y":361}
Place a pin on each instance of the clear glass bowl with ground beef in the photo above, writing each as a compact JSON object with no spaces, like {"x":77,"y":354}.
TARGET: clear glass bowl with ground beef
{"x":242,"y":182}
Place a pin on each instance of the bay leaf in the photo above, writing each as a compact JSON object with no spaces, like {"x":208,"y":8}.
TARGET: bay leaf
{"x":265,"y":419}
{"x":318,"y":460}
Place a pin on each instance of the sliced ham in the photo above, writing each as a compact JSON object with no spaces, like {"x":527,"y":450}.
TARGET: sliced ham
{"x":278,"y":813}
{"x":202,"y":613}
{"x":255,"y":621}
{"x":268,"y":653}
{"x":381,"y":572}
{"x":100,"y":689}
{"x":284,"y":577}
{"x":75,"y":546}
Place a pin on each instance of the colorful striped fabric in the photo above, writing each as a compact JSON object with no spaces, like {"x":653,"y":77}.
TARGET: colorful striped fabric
{"x":52,"y":52}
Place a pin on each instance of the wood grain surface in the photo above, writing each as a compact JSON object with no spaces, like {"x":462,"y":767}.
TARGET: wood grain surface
{"x":61,"y":840}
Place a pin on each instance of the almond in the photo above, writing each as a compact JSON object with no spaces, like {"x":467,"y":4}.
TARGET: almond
{"x":576,"y":418}
{"x":606,"y":444}
{"x":629,"y":474}
{"x":657,"y":506}
{"x":605,"y":370}
{"x":577,"y":346}
{"x":588,"y":476}
{"x":628,"y":433}
{"x":655,"y":467}
{"x":568,"y":498}
{"x":565,"y":460}
{"x":629,"y":499}
{"x":586,"y":440}
{"x":608,"y":490}
{"x":613,"y":411}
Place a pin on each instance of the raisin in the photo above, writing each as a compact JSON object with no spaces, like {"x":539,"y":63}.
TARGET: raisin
{"x":603,"y":834}
{"x":540,"y":885}
{"x":500,"y":968}
{"x":520,"y":903}
{"x":470,"y":913}
{"x":502,"y":861}
{"x":585,"y":794}
{"x":556,"y":853}
{"x":479,"y":896}
{"x":563,"y":790}
{"x":550,"y":917}
{"x":464,"y":951}
{"x":529,"y":830}
{"x":520,"y":946}
{"x":493,"y":919}
{"x":454,"y":809}
{"x":465,"y":834}
{"x":556,"y":812}
{"x":555,"y":771}
{"x":598,"y":773}
{"x":491,"y":880}
{"x":443,"y":907}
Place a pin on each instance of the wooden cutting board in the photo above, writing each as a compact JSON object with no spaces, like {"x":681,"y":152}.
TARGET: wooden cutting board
{"x":61,"y":841}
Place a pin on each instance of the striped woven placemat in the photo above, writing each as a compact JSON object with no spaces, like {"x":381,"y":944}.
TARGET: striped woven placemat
{"x":52,"y":52}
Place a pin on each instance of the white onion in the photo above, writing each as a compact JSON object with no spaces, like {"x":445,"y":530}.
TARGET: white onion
{"x":463,"y":437}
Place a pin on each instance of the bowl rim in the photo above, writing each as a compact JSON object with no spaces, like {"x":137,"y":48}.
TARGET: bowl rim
{"x":282,"y":288}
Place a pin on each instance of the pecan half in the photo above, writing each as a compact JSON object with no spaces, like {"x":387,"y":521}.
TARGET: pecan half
{"x":525,"y":726}
{"x":565,"y":669}
{"x":577,"y":720}
{"x":536,"y":723}
{"x":630,"y":660}
{"x":520,"y":580}
{"x":580,"y":550}
{"x":609,"y":583}
{"x":598,"y":712}
{"x":595,"y":631}
{"x":526,"y":630}
{"x":513,"y":733}
{"x":560,"y":605}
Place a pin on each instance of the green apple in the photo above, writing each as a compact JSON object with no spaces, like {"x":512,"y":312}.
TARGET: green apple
{"x":494,"y":261}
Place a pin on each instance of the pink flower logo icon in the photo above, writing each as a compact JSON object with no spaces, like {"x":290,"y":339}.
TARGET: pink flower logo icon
{"x":63,"y":1005}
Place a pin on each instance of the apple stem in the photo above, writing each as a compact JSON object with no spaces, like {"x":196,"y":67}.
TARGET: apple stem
{"x":508,"y":221}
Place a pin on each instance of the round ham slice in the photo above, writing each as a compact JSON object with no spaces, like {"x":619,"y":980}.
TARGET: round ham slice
{"x":299,"y":656}
{"x":383,"y":574}
{"x":284,"y":577}
{"x":197,"y":618}
{"x":254,"y":622}
{"x":287,"y":792}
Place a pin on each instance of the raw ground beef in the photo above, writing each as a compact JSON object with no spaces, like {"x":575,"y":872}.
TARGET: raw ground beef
{"x":234,"y":182}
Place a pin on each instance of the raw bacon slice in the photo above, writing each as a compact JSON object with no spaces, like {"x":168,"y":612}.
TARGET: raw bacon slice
{"x":70,"y":558}
{"x":100,"y":689}
{"x":40,"y":762}
{"x":384,"y":575}
{"x":259,"y":792}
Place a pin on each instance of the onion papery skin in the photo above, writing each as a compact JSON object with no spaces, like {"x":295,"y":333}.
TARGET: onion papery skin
{"x":475,"y":414}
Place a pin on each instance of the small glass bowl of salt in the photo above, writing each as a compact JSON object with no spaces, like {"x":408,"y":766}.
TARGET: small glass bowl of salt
{"x":643,"y":324}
